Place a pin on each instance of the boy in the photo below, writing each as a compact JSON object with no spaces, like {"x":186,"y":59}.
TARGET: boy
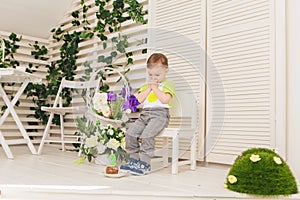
{"x":156,"y":96}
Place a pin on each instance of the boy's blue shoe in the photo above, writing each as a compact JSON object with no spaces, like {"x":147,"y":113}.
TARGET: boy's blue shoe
{"x":142,"y":168}
{"x":129,"y":165}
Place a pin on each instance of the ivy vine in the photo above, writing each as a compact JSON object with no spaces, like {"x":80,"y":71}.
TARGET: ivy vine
{"x":10,"y":49}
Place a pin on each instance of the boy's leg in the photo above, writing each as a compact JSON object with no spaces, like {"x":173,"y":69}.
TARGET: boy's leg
{"x":159,"y":120}
{"x":132,"y":146}
{"x":132,"y":137}
{"x":147,"y":149}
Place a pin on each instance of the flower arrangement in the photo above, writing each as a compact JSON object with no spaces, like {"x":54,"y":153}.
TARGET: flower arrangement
{"x":261,"y":171}
{"x":113,"y":106}
{"x":101,"y":139}
{"x":102,"y":134}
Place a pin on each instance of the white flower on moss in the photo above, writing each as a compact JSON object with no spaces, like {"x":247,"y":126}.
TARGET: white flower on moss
{"x":105,"y":110}
{"x":113,"y":144}
{"x":91,"y":141}
{"x":277,"y":160}
{"x":275,"y":150}
{"x":232,"y":179}
{"x":255,"y":158}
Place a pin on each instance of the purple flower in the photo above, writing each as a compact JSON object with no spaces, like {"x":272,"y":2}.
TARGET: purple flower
{"x":123,"y":92}
{"x":131,"y":103}
{"x":111,"y":96}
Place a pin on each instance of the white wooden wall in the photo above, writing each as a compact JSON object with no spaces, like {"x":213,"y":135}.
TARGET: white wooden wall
{"x":23,"y":55}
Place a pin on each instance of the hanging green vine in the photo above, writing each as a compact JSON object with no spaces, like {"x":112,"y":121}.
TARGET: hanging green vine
{"x":11,"y":48}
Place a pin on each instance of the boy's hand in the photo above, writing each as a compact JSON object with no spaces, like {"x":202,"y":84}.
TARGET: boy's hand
{"x":152,"y":85}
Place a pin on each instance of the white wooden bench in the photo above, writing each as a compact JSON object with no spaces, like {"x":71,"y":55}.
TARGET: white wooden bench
{"x":183,"y":124}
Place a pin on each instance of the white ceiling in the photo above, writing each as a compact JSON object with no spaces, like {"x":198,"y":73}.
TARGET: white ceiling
{"x":32,"y":17}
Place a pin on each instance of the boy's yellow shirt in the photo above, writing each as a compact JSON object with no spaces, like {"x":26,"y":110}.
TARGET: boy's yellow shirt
{"x":166,"y":86}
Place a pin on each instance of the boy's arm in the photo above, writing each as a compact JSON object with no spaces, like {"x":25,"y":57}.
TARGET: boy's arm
{"x":164,"y":97}
{"x":143,"y":95}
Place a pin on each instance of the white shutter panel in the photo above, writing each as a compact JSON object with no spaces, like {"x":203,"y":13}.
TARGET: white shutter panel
{"x":177,"y":29}
{"x":240,"y":78}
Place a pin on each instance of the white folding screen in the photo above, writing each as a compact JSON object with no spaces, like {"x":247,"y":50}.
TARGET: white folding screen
{"x":241,"y":68}
{"x":177,"y":28}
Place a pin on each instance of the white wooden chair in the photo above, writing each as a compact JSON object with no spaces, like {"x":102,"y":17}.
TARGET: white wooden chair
{"x":57,"y":108}
{"x":183,"y":124}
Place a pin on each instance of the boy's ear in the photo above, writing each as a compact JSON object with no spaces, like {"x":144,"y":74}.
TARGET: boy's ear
{"x":167,"y":70}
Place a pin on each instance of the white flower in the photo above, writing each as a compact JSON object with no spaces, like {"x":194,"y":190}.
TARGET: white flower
{"x":123,"y":129}
{"x":123,"y":143}
{"x":128,"y":111}
{"x":255,"y":158}
{"x":231,"y":179}
{"x":277,"y":160}
{"x":91,"y":141}
{"x":105,"y":110}
{"x":110,"y":132}
{"x":113,"y":144}
{"x":99,"y":100}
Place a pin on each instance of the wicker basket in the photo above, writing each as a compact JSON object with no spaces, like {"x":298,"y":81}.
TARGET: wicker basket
{"x":91,"y":114}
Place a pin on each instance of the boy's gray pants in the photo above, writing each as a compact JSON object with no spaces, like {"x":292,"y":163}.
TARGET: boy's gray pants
{"x":150,"y":123}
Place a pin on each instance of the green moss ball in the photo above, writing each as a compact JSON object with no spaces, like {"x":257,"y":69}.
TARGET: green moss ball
{"x":261,"y":171}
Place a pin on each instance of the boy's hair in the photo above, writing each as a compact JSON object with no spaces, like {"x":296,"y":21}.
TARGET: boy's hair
{"x":157,"y":58}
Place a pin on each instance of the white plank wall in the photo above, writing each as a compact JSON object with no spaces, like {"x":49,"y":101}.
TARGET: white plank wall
{"x":23,"y":55}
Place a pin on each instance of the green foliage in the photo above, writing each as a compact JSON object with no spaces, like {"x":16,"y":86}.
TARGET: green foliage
{"x":262,"y":177}
{"x":102,"y":135}
{"x":39,"y":52}
{"x":11,"y":48}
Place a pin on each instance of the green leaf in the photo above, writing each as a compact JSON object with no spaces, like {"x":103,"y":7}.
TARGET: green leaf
{"x":75,"y":14}
{"x":129,"y":61}
{"x":113,"y":53}
{"x":79,"y":161}
{"x":144,"y":51}
{"x":108,"y":60}
{"x":104,"y":45}
{"x":101,"y":58}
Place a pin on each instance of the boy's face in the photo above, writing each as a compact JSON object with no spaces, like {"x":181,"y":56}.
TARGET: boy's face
{"x":157,"y":73}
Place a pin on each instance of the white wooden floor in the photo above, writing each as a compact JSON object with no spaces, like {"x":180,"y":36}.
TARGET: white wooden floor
{"x":53,"y":175}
